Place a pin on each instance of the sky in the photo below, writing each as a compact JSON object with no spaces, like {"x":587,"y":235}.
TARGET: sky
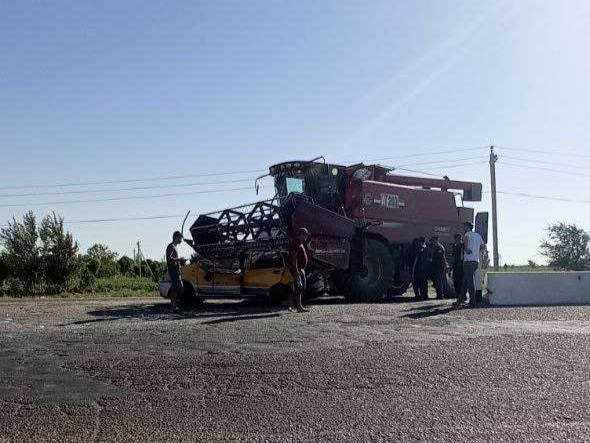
{"x":114,"y":91}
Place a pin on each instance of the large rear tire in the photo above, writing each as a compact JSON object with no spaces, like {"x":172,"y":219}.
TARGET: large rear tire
{"x":403,"y":269}
{"x":372,"y":283}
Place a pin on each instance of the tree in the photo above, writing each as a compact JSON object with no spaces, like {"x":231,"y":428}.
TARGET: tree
{"x":87,"y":279}
{"x":532,"y":264}
{"x":20,"y":240}
{"x":125,"y":265}
{"x":566,"y":247}
{"x":101,"y":260}
{"x":59,"y":253}
{"x":157,"y":269}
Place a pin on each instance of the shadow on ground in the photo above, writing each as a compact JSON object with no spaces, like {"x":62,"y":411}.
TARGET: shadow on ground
{"x":428,"y":311}
{"x":228,"y":311}
{"x":222,"y":311}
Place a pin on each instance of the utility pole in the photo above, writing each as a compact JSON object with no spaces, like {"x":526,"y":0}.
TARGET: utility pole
{"x":139,"y":255}
{"x":493,"y":160}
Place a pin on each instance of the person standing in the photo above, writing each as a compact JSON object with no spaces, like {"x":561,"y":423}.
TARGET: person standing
{"x":479,"y":275}
{"x":457,"y":264}
{"x":298,"y":261}
{"x":473,"y":244}
{"x":173,"y":263}
{"x":420,"y":270}
{"x":438,"y":266}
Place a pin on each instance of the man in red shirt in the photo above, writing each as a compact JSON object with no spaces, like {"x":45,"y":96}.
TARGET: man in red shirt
{"x":298,"y":261}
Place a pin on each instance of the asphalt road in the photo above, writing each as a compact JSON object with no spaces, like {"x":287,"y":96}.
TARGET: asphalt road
{"x":133,"y":370}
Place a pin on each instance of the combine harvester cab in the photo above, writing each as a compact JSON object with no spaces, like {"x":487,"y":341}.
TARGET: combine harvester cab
{"x":362,"y":220}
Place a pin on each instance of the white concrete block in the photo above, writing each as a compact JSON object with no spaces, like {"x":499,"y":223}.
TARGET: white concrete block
{"x":538,"y":288}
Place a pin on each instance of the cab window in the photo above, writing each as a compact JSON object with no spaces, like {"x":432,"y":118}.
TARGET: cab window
{"x":294,"y":185}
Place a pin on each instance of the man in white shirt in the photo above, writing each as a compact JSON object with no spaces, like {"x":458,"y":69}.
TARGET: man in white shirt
{"x":473,"y":244}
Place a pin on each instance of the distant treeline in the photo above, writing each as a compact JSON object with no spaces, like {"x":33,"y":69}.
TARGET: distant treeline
{"x":42,"y":258}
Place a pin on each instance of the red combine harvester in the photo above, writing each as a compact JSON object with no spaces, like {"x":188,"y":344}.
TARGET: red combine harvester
{"x":363,"y":221}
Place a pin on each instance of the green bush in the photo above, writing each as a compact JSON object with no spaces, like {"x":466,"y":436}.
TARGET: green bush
{"x":86,"y":279}
{"x":12,"y":287}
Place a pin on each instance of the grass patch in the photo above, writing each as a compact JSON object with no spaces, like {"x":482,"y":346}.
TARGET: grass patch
{"x":81,"y":296}
{"x":119,"y":286}
{"x":121,"y":283}
{"x":525,"y":269}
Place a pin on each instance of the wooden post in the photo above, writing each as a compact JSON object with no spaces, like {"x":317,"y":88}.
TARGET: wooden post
{"x":493,"y":160}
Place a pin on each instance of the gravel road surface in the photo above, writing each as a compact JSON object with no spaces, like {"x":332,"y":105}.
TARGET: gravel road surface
{"x":133,"y":370}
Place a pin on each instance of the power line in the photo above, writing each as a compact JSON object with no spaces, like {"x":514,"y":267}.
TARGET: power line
{"x":559,"y":152}
{"x":213,"y":174}
{"x":542,"y":168}
{"x":541,"y":197}
{"x":529,"y":160}
{"x":133,"y":180}
{"x":139,"y":188}
{"x":106,"y":220}
{"x":208,"y":174}
{"x":436,"y":162}
{"x":135,"y":188}
{"x":112,"y":199}
{"x":422,"y":154}
{"x":158,"y":217}
{"x":431,"y":174}
{"x":414,"y":171}
{"x":449,"y":165}
{"x":134,"y":197}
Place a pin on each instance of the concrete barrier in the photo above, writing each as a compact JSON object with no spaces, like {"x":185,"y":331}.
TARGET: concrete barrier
{"x":538,"y":288}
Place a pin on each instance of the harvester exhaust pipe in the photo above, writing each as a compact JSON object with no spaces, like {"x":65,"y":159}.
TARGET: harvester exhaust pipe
{"x":256,"y":184}
{"x":183,"y":223}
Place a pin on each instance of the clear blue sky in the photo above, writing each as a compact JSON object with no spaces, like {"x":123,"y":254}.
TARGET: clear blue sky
{"x":93,"y":91}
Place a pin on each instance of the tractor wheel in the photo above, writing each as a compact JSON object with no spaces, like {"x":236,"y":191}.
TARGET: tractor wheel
{"x":401,"y":283}
{"x":400,"y":288}
{"x":340,"y":282}
{"x":190,"y":298}
{"x":279,"y":294}
{"x":316,"y":286}
{"x":373,"y":282}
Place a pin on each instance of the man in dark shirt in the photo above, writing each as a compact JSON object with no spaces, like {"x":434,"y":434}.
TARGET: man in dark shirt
{"x":438,"y":266}
{"x":173,"y":263}
{"x":420,"y":270}
{"x":298,"y":261}
{"x":458,"y":263}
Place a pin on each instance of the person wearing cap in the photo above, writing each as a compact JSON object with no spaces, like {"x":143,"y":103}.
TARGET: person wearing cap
{"x":298,"y":261}
{"x":437,"y":265}
{"x":173,"y":263}
{"x":473,"y":245}
{"x":420,"y":270}
{"x":457,"y":263}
